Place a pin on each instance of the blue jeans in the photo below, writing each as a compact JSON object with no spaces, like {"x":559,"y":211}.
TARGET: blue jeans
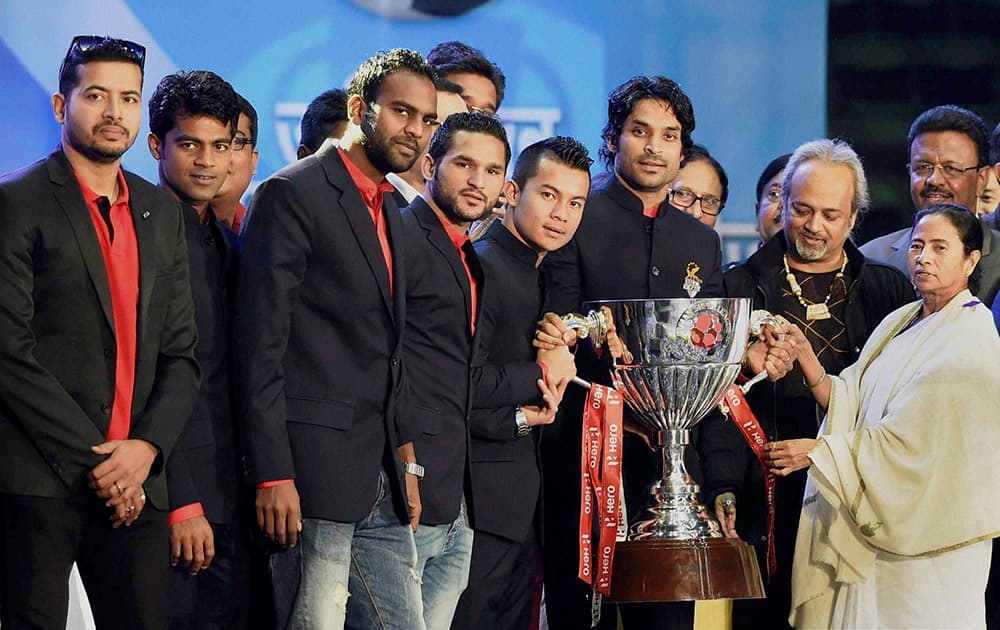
{"x":444,"y":555}
{"x":350,"y":575}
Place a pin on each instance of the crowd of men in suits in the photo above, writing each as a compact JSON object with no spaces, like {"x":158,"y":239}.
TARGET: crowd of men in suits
{"x":327,"y":410}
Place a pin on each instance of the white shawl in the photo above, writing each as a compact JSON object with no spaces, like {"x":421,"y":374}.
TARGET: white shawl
{"x":907,"y":456}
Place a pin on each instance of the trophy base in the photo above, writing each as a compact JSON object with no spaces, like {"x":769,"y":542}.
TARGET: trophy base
{"x":678,"y":570}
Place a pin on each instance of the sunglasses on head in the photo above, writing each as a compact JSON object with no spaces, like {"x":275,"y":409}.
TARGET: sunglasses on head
{"x":81,"y":44}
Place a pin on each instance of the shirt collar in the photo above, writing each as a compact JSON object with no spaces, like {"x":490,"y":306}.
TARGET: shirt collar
{"x":91,"y":197}
{"x":370,"y":191}
{"x":457,"y":237}
{"x":409,"y":192}
{"x":511,"y":244}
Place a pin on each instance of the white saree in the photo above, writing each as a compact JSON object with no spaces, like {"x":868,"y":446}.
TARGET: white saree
{"x":903,"y":495}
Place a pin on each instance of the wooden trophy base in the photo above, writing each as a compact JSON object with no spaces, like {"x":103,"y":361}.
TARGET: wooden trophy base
{"x":676,"y":570}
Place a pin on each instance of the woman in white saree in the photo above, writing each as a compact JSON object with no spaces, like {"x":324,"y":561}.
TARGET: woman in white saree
{"x":903,"y":496}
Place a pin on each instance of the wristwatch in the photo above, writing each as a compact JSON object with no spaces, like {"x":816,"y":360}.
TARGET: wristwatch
{"x":523,"y":428}
{"x":414,"y":469}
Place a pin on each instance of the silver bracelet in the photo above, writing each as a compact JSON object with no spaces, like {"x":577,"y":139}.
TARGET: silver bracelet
{"x":817,"y":383}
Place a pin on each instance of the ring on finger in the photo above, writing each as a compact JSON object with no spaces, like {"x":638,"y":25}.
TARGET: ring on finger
{"x":118,"y":488}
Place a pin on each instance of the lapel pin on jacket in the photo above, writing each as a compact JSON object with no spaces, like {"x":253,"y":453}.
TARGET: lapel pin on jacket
{"x":145,"y":215}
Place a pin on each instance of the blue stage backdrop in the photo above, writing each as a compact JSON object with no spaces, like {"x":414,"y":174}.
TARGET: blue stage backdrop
{"x":754,"y":69}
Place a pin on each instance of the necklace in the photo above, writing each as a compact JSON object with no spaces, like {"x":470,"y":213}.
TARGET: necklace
{"x":818,"y":310}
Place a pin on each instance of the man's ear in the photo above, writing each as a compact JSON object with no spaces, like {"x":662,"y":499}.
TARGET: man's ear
{"x":511,"y":192}
{"x":154,"y":147}
{"x":356,"y":109}
{"x":59,"y":107}
{"x":427,"y":167}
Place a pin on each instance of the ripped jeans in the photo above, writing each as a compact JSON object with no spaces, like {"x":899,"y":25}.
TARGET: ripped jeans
{"x":350,"y":575}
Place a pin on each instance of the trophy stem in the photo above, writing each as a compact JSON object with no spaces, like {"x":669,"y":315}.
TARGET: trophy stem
{"x":676,"y":513}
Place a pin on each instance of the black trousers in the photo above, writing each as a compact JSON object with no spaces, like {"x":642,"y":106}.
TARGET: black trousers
{"x":501,"y":589}
{"x":123,"y":569}
{"x":217,"y":597}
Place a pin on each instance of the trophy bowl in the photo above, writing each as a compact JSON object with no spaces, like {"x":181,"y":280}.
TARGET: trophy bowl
{"x":676,"y":359}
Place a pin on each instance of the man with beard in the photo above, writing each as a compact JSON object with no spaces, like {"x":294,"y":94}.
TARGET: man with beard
{"x":97,"y":367}
{"x":949,"y":155}
{"x":816,"y":278}
{"x":410,"y":184}
{"x":320,"y":311}
{"x":464,"y":170}
{"x":632,"y":244}
{"x":192,"y":120}
{"x":516,"y":390}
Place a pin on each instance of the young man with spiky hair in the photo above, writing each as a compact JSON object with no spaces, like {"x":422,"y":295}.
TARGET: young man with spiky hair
{"x":320,"y":312}
{"x":482,"y":81}
{"x":193,"y":118}
{"x":97,"y":365}
{"x":516,"y":389}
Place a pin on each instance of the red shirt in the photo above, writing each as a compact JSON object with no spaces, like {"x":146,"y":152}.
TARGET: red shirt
{"x":241,"y":211}
{"x":372,"y":194}
{"x":459,"y":240}
{"x":121,"y":260}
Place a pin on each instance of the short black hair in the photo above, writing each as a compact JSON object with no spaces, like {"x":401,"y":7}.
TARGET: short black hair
{"x":455,"y":57}
{"x":370,"y":75}
{"x":194,"y":93}
{"x":85,"y":49}
{"x":442,"y":84}
{"x":773,"y":167}
{"x":995,"y":145}
{"x":953,"y":118}
{"x":969,"y":228}
{"x":699,"y":153}
{"x":471,"y":122}
{"x":562,"y":149}
{"x":250,"y":112}
{"x":325,"y":111}
{"x":623,"y":99}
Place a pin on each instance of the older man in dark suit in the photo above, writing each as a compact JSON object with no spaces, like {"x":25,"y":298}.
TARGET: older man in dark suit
{"x":319,"y":318}
{"x":97,"y":368}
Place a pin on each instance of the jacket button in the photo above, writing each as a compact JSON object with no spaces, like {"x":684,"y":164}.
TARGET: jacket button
{"x":395,"y":361}
{"x":654,"y":270}
{"x":106,"y":409}
{"x":108,"y":352}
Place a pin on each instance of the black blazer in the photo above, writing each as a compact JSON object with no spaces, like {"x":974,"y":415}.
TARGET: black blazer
{"x":438,"y":352}
{"x":506,"y":473}
{"x":57,"y":362}
{"x":203,"y":465}
{"x":319,"y":339}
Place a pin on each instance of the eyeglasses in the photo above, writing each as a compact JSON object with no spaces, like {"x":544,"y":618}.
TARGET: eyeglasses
{"x":240,"y":142}
{"x":684,"y":198}
{"x":924,"y":170}
{"x":83,"y":43}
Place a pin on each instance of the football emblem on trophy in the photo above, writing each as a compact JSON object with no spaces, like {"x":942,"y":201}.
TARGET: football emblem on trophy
{"x":707,"y":330}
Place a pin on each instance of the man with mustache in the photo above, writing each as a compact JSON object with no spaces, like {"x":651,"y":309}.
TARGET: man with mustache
{"x":320,"y":310}
{"x":97,"y":358}
{"x":631,"y":244}
{"x":812,"y":275}
{"x":192,"y":121}
{"x":464,"y":170}
{"x":949,"y":155}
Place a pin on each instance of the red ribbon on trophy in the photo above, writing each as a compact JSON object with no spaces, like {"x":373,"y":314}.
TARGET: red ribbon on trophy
{"x":600,"y":484}
{"x":744,"y":418}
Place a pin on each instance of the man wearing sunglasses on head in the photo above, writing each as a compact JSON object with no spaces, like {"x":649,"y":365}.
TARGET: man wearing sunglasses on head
{"x":97,"y":367}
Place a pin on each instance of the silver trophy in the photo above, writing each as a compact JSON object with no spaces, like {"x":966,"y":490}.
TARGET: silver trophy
{"x":673,"y":360}
{"x":678,"y":358}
